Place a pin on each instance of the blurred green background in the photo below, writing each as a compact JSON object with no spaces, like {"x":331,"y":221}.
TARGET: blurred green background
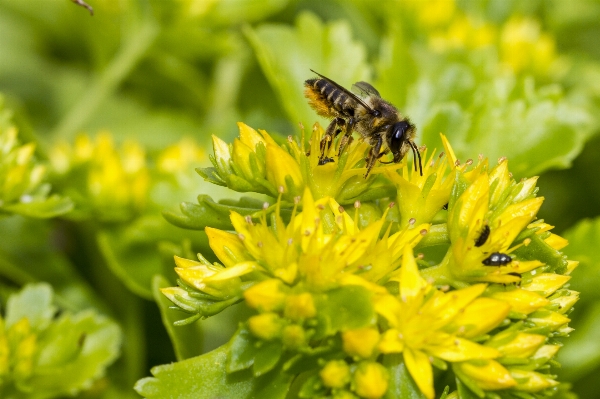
{"x":498,"y":77}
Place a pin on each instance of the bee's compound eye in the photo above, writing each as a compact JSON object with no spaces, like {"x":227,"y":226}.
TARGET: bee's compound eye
{"x":398,"y":131}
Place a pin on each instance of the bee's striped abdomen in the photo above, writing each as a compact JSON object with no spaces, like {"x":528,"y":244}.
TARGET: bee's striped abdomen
{"x":328,"y":100}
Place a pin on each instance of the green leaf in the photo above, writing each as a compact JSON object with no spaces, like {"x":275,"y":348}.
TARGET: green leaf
{"x":344,"y":308}
{"x":536,"y":128}
{"x":201,"y":377}
{"x":243,"y":348}
{"x":402,"y":384}
{"x":215,"y":214}
{"x":187,"y":340}
{"x":206,"y":213}
{"x":538,"y":249}
{"x":43,"y":208}
{"x":583,"y":247}
{"x":206,"y":377}
{"x":71,"y":351}
{"x":34,"y":302}
{"x":266,"y":357}
{"x":74,"y":351}
{"x":286,"y":55}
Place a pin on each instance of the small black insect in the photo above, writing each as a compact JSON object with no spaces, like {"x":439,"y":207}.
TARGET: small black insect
{"x":445,"y":207}
{"x":485,"y":233}
{"x":325,"y":160}
{"x":497,"y":259}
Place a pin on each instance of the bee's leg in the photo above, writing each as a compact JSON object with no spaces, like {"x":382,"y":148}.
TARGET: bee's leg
{"x":374,"y":155}
{"x":346,"y":139}
{"x":382,"y":153}
{"x":334,"y":128}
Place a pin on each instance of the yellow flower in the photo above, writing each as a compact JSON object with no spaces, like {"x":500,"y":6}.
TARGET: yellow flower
{"x":421,"y":197}
{"x":423,"y":323}
{"x":299,"y":307}
{"x":485,"y":220}
{"x":256,"y":162}
{"x":322,"y":245}
{"x":335,"y":374}
{"x":361,"y":342}
{"x":20,"y":176}
{"x":116,"y":181}
{"x":266,"y":326}
{"x":523,"y":46}
{"x":370,"y":380}
{"x":266,"y":296}
{"x":214,"y":280}
{"x":176,"y":159}
{"x":488,"y":374}
{"x":463,"y":32}
{"x":531,"y":381}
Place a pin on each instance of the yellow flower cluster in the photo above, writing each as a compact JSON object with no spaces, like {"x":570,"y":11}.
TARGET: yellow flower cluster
{"x":255,"y":162}
{"x":113,"y":182}
{"x":359,"y":294}
{"x":18,"y":345}
{"x":20,"y":175}
{"x":521,"y":44}
{"x":117,"y":183}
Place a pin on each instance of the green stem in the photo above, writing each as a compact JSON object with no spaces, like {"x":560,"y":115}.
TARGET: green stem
{"x":118,"y":69}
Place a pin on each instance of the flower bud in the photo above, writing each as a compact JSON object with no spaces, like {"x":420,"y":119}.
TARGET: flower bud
{"x":300,"y":307}
{"x":370,"y":380}
{"x":360,"y":342}
{"x":335,"y":374}
{"x":266,"y":296}
{"x":266,"y":326}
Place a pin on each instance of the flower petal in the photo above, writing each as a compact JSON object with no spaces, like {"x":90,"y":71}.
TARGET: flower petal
{"x":419,"y":367}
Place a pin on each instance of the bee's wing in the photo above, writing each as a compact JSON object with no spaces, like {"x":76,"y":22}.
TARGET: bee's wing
{"x":364,"y":90}
{"x":348,"y":92}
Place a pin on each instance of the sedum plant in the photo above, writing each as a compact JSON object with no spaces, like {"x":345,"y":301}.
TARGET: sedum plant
{"x":45,"y":355}
{"x":24,"y":189}
{"x":397,"y":285}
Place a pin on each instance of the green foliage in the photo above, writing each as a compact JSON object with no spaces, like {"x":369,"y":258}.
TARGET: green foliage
{"x":582,"y":357}
{"x":156,"y":71}
{"x":45,"y":356}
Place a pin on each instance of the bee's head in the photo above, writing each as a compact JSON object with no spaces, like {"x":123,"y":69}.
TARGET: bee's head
{"x":399,"y":141}
{"x":398,"y":135}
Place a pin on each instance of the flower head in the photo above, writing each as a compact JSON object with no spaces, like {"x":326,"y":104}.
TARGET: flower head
{"x":340,"y":297}
{"x":22,"y":186}
{"x":256,"y":162}
{"x":111,"y":183}
{"x":426,"y":322}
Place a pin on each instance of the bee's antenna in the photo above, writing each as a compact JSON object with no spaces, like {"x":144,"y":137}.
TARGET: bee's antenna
{"x":416,"y":155}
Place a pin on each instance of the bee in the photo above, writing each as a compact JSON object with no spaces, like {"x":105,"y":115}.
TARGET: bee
{"x":379,"y":123}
